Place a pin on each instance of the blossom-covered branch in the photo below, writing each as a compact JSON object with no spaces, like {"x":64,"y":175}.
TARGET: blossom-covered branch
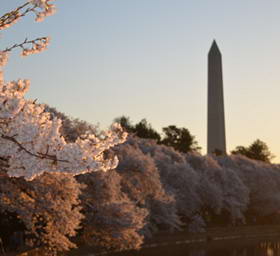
{"x":4,"y":56}
{"x":10,"y":18}
{"x":39,"y":155}
{"x":41,"y":8}
{"x":37,"y":45}
{"x":39,"y":145}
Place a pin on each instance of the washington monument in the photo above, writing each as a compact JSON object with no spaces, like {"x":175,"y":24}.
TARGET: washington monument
{"x":216,"y":135}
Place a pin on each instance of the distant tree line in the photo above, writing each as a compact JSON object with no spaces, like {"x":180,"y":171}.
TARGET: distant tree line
{"x":183,"y":141}
{"x":178,"y":138}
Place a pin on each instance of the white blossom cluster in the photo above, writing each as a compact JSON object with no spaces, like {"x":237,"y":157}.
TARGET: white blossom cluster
{"x":9,"y":20}
{"x":47,"y":9}
{"x":32,"y":142}
{"x":112,"y":220}
{"x":41,"y":8}
{"x":3,"y":58}
{"x":38,"y":45}
{"x":48,"y":206}
{"x":206,"y":189}
{"x":142,"y":182}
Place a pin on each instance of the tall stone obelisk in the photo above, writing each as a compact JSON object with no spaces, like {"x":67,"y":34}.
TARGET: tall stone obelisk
{"x":216,"y":137}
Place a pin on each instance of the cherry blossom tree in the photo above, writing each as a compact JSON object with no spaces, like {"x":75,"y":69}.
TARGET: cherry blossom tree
{"x":262,"y":181}
{"x":112,"y":220}
{"x":199,"y":184}
{"x":53,"y":179}
{"x":48,"y":206}
{"x":37,"y":163}
{"x":220,"y":188}
{"x":72,"y":128}
{"x":30,"y":139}
{"x":141,"y":182}
{"x":32,"y":144}
{"x":178,"y":176}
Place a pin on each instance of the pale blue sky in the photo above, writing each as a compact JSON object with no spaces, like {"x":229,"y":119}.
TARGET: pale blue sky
{"x":148,"y":59}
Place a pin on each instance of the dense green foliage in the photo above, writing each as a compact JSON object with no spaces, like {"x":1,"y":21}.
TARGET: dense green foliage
{"x":178,"y":138}
{"x":258,"y":150}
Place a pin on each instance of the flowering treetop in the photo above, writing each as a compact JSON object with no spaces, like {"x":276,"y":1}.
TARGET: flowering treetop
{"x":30,"y":140}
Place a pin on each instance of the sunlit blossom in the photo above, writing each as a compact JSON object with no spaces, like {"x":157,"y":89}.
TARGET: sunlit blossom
{"x":38,"y":46}
{"x":3,"y":58}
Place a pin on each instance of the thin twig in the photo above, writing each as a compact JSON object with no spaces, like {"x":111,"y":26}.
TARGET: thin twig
{"x":26,"y":41}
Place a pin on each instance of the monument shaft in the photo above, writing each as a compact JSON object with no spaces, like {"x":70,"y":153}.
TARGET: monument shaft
{"x":216,"y":138}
